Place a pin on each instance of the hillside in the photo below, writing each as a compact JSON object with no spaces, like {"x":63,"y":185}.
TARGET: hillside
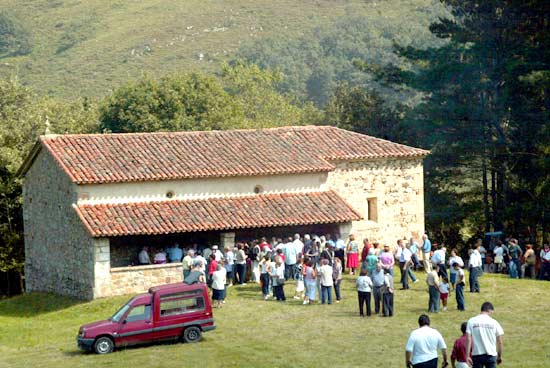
{"x":86,"y":48}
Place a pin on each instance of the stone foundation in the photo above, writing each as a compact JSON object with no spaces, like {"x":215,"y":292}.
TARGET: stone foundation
{"x":138,"y":279}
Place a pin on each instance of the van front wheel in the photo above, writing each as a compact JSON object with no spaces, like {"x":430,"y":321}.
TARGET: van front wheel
{"x":192,"y":334}
{"x":104,"y":345}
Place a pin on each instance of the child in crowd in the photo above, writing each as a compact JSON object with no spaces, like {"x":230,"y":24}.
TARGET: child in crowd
{"x":299,"y":277}
{"x":364,"y":291}
{"x":387,"y":295}
{"x":444,"y":292}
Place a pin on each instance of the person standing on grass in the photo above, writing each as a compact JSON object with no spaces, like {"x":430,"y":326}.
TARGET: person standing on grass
{"x":426,"y":249}
{"x":474,"y":264}
{"x":371,"y":262}
{"x":485,"y":334}
{"x":459,"y":356}
{"x":444,"y":291}
{"x":455,"y":258}
{"x":265,"y":280}
{"x":278,"y":279}
{"x":387,"y":259}
{"x":299,"y":277}
{"x":310,"y":282}
{"x":515,"y":253}
{"x":459,"y":289}
{"x":218,"y":285}
{"x":405,"y":261}
{"x":240,"y":264}
{"x":422,"y":346}
{"x":432,"y":279}
{"x":325,"y":273}
{"x":413,"y":246}
{"x":544,"y":273}
{"x":378,"y":279}
{"x":364,"y":290}
{"x":387,"y":295}
{"x":337,"y":278}
{"x":439,"y":259}
{"x":530,"y":261}
{"x":352,"y":250}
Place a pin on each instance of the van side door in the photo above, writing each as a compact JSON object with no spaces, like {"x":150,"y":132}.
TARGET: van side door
{"x":137,"y":325}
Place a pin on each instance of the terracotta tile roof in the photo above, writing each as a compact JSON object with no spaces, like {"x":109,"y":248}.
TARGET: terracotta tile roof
{"x":109,"y":158}
{"x":177,"y":216}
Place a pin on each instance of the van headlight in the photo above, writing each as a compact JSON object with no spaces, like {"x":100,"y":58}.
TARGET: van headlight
{"x":81,"y":333}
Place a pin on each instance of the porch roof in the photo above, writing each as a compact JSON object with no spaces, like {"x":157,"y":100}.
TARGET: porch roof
{"x":179,"y":216}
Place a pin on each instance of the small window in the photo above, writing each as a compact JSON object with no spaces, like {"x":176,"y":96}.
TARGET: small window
{"x":372,"y":214}
{"x":169,"y":194}
{"x":258,"y":189}
{"x":181,"y":306}
{"x":139,"y":313}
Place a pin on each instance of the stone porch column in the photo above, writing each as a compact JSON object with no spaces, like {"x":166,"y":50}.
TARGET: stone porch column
{"x":227,"y":239}
{"x":102,"y":267}
{"x":344,"y":229}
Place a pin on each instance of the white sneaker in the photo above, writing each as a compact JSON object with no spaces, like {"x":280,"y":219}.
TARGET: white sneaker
{"x":305,"y":302}
{"x":444,"y":308}
{"x":296,"y":297}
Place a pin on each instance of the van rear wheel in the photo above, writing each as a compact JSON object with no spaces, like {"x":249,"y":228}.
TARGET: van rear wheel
{"x":192,"y":334}
{"x":104,"y":345}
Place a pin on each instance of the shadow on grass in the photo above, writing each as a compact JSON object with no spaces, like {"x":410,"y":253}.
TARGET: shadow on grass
{"x":34,"y":304}
{"x":168,"y":342}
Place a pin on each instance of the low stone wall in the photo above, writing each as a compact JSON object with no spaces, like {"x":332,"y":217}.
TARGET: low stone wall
{"x":138,"y":279}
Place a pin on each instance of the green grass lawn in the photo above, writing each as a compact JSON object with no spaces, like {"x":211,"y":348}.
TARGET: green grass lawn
{"x":39,"y":330}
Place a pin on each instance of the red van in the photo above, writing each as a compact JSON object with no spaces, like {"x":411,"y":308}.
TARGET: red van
{"x":166,"y":312}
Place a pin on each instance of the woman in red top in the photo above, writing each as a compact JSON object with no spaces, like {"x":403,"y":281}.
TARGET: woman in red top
{"x":212,"y":267}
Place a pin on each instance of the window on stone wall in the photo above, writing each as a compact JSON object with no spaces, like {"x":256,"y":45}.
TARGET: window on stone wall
{"x":372,"y":214}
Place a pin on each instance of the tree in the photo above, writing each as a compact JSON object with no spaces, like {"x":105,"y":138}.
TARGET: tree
{"x":484,"y":114}
{"x":23,"y":118}
{"x":175,"y":102}
{"x":242,"y":96}
{"x":354,"y":108}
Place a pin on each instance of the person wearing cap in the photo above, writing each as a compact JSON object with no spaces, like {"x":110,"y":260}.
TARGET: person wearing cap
{"x":484,"y":339}
{"x":387,"y":259}
{"x":422,"y":346}
{"x":196,"y":275}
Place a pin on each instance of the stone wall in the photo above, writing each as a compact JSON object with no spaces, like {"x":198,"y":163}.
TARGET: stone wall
{"x":59,"y":253}
{"x":138,"y":279}
{"x":397,"y":188}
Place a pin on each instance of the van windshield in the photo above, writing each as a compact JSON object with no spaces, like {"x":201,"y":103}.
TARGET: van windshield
{"x":118,"y":315}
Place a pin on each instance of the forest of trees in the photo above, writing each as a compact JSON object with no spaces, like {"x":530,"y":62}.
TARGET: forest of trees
{"x":473,"y":87}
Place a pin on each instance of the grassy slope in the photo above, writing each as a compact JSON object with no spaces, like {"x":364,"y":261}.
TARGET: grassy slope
{"x":40,"y":330}
{"x":121,"y":39}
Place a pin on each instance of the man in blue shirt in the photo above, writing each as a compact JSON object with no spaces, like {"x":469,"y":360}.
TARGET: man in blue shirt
{"x":175,"y":254}
{"x":426,"y":249}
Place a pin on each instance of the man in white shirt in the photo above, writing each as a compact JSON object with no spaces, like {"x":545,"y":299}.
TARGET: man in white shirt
{"x":422,"y":346}
{"x":291,"y":257}
{"x":143,"y":257}
{"x":544,"y":273}
{"x":405,"y":262}
{"x":438,"y":258}
{"x":485,"y":334}
{"x":474,"y":264}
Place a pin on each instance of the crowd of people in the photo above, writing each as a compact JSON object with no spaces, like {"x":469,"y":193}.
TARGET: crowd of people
{"x":315,"y":265}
